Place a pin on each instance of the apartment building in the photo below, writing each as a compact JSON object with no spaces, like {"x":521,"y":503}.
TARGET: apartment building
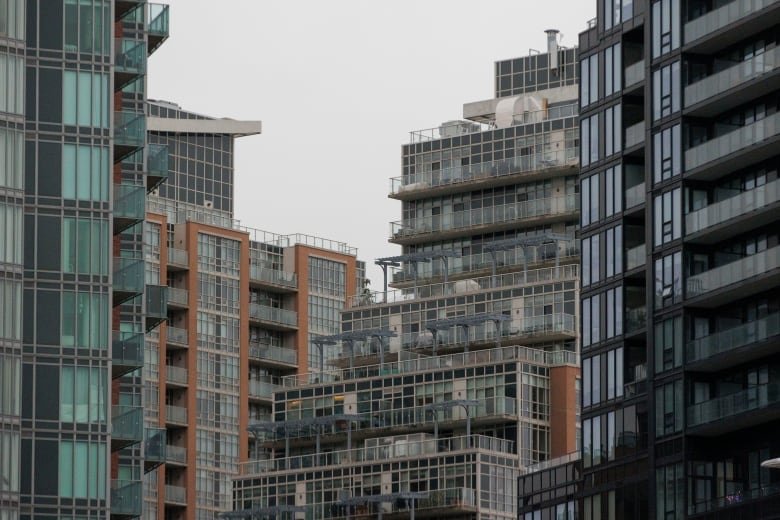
{"x":680,"y":273}
{"x":439,"y":391}
{"x":75,"y":172}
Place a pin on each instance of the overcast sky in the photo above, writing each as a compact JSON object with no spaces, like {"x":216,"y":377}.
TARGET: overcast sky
{"x":338,"y":85}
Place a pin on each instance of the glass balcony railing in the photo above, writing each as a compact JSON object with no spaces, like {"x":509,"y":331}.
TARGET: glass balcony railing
{"x":636,"y":257}
{"x":177,"y":335}
{"x":569,"y":156}
{"x":175,"y":494}
{"x":725,"y":210}
{"x":732,"y":142}
{"x":157,"y":165}
{"x":129,"y":129}
{"x":177,"y":454}
{"x":178,"y":257}
{"x":261,"y":389}
{"x":271,"y":353}
{"x":732,"y":77}
{"x":635,"y":73}
{"x":635,"y":195}
{"x":733,"y":338}
{"x":484,"y":216}
{"x":546,"y":324}
{"x":127,"y":498}
{"x":128,"y":276}
{"x":273,"y":276}
{"x":176,"y":414}
{"x":130,"y":57}
{"x":636,"y":319}
{"x":159,"y":20}
{"x":129,"y":202}
{"x":723,"y":16}
{"x":265,"y":313}
{"x":177,"y":296}
{"x":127,"y":423}
{"x":127,"y":352}
{"x":635,"y":134}
{"x":155,"y":445}
{"x":752,"y":398}
{"x":734,"y":272}
{"x":157,"y":301}
{"x":178,"y":375}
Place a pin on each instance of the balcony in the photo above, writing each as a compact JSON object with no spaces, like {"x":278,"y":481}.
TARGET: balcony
{"x":176,"y":455}
{"x":734,"y":86}
{"x":175,"y":415}
{"x":129,"y":206}
{"x":705,"y":35}
{"x":270,"y":354}
{"x":156,"y":305}
{"x":156,"y":166}
{"x":635,"y":195}
{"x":178,"y":259}
{"x":546,"y":327}
{"x":737,"y":149}
{"x":126,"y":498}
{"x":484,"y":175}
{"x":737,"y":411}
{"x":176,"y":337}
{"x":177,"y":376}
{"x":175,"y":495}
{"x":128,"y":279}
{"x":127,"y":426}
{"x":736,"y":345}
{"x":273,"y":278}
{"x":272,"y":317}
{"x":178,"y":298}
{"x":130,"y":61}
{"x":127,"y":353}
{"x":155,"y":447}
{"x":733,"y":216}
{"x":735,"y":280}
{"x":636,"y":319}
{"x":129,"y":133}
{"x":158,"y":28}
{"x":634,"y":75}
{"x":493,"y":218}
{"x":262,"y":390}
{"x":636,"y":257}
{"x":635,"y":135}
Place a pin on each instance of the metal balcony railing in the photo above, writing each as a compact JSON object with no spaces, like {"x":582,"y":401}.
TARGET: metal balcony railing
{"x":733,"y":338}
{"x":265,"y":313}
{"x":739,"y":205}
{"x":723,"y":16}
{"x":733,"y":141}
{"x":734,"y":272}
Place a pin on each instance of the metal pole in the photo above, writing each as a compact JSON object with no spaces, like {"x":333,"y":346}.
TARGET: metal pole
{"x":322,"y":358}
{"x":557,"y":261}
{"x":318,"y":444}
{"x":414,"y":263}
{"x":351,"y":353}
{"x":411,"y":515}
{"x":525,"y":265}
{"x":381,"y":353}
{"x":468,"y":424}
{"x":468,"y":339}
{"x":497,"y":324}
{"x":445,"y":260}
{"x":435,"y":340}
{"x":493,"y":280}
{"x":384,"y":271}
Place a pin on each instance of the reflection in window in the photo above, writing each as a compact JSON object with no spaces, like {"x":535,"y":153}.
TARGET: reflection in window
{"x":82,"y":469}
{"x":666,"y":26}
{"x":85,"y":246}
{"x":87,"y":26}
{"x":11,"y":83}
{"x":666,"y":91}
{"x":85,"y":172}
{"x":668,"y":216}
{"x":666,"y":154}
{"x":668,"y":280}
{"x":83,"y":394}
{"x":85,"y":99}
{"x":84,"y":320}
{"x":11,"y":158}
{"x":12,"y":19}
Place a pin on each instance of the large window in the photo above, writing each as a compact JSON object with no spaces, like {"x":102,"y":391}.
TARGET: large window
{"x":82,"y":470}
{"x":617,"y":11}
{"x":83,"y":394}
{"x":85,"y":246}
{"x":613,"y":70}
{"x":667,"y":152}
{"x":84,"y":320}
{"x":613,"y":123}
{"x":668,"y":344}
{"x":668,"y":216}
{"x":668,"y":280}
{"x":590,"y":200}
{"x":602,"y":377}
{"x":11,"y":83}
{"x":666,"y":91}
{"x":85,"y":172}
{"x":85,"y":99}
{"x":666,"y":26}
{"x":12,"y":19}
{"x":669,"y":410}
{"x":670,"y":492}
{"x":589,"y":80}
{"x":10,"y":315}
{"x":10,"y":382}
{"x":9,"y":462}
{"x":11,"y":233}
{"x":11,"y":158}
{"x":590,"y":140}
{"x":591,"y":258}
{"x":87,"y":26}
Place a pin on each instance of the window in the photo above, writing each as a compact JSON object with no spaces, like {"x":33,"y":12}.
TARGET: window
{"x":669,"y":408}
{"x":84,"y":320}
{"x":614,"y":130}
{"x":82,"y":469}
{"x":10,"y":381}
{"x":613,"y":70}
{"x":590,"y":140}
{"x":9,"y":462}
{"x":666,"y":154}
{"x":87,"y":26}
{"x":83,"y":394}
{"x":668,"y":216}
{"x":668,"y":344}
{"x":666,"y":26}
{"x":85,"y":99}
{"x":591,"y":320}
{"x":11,"y":233}
{"x":602,"y":377}
{"x":617,"y":11}
{"x":614,"y":312}
{"x":590,"y":200}
{"x":668,"y":280}
{"x":670,"y":489}
{"x":589,"y":80}
{"x":85,"y":246}
{"x":12,"y":19}
{"x":11,"y":83}
{"x":85,"y":172}
{"x":666,"y":91}
{"x":11,"y":158}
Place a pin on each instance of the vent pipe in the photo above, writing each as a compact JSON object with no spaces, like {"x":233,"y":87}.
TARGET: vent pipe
{"x":552,"y":48}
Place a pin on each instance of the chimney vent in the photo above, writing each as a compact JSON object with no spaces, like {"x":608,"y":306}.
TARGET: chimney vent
{"x":552,"y":48}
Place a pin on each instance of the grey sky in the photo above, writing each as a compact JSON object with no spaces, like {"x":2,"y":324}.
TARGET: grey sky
{"x":338,"y":85}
